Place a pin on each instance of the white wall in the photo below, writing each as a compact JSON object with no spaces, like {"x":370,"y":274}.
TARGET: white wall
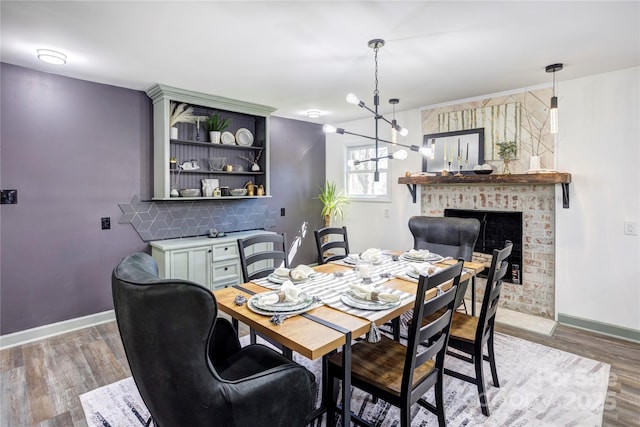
{"x":365,"y":221}
{"x":598,"y":267}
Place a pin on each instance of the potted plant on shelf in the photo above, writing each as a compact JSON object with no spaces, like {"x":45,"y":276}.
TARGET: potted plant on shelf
{"x":180,"y":113}
{"x":333,"y":201}
{"x":216,"y":126}
{"x":507,"y":151}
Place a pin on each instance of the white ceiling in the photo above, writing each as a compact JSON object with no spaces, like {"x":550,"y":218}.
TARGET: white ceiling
{"x":301,"y":55}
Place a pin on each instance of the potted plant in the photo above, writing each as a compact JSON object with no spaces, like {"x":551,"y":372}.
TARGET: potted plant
{"x":506,"y":151}
{"x":216,"y":126}
{"x":333,"y":202}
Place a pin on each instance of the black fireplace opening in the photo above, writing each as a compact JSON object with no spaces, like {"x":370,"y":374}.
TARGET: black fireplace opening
{"x":495,"y":228}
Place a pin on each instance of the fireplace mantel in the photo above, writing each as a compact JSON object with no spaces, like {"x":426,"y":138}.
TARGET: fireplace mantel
{"x":562,"y":178}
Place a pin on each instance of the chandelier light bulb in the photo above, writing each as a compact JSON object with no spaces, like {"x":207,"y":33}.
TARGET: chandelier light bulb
{"x":400,"y":155}
{"x":404,"y":131}
{"x":329,"y":129}
{"x":352,"y":98}
{"x":351,"y":163}
{"x":425,"y":151}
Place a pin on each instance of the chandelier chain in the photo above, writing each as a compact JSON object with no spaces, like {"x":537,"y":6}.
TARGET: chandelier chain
{"x":376,"y":91}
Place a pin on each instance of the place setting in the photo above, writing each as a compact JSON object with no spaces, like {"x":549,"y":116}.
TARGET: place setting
{"x":298,"y":275}
{"x":366,"y":297}
{"x":372,"y":255}
{"x":287,"y":301}
{"x":421,"y":255}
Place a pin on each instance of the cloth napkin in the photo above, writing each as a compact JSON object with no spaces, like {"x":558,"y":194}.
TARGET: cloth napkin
{"x":424,"y":269}
{"x":370,"y":293}
{"x":301,"y":272}
{"x":288,"y":293}
{"x":418,"y":253}
{"x":371,"y":255}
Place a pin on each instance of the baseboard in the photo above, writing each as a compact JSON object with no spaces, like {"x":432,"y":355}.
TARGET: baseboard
{"x":621,"y":332}
{"x":46,"y":331}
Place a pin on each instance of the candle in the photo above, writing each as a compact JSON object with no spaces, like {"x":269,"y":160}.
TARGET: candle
{"x":467,"y":151}
{"x":458,"y":147}
{"x":451,"y":151}
{"x":198,"y":123}
{"x":445,"y":153}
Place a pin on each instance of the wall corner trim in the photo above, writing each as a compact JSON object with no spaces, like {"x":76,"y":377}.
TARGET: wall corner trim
{"x":46,"y":331}
{"x":621,"y":332}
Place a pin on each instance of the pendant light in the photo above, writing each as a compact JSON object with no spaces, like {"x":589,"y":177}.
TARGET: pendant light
{"x":553,"y":112}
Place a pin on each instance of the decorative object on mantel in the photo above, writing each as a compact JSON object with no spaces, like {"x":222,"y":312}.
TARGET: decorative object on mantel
{"x":180,"y":113}
{"x":553,"y":112}
{"x":484,"y":169}
{"x":507,"y":150}
{"x":216,"y":126}
{"x":376,"y":44}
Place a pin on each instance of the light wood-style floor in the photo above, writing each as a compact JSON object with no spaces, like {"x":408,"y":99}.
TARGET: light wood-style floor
{"x":41,"y":381}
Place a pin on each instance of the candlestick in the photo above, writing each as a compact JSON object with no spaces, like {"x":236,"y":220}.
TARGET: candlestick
{"x":458,"y":147}
{"x":467,"y":152}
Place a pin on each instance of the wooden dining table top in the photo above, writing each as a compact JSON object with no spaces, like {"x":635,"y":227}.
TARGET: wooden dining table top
{"x":308,"y":337}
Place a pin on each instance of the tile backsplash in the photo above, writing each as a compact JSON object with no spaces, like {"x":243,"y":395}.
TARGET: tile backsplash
{"x":156,"y":220}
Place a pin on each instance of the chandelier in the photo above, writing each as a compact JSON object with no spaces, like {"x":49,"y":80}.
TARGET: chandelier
{"x":396,"y":129}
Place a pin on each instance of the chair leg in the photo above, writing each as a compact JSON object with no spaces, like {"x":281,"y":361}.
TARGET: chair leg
{"x":405,"y":415}
{"x":395,"y":324}
{"x":252,"y":336}
{"x":330,"y":393}
{"x":482,"y":389}
{"x":492,"y":361}
{"x":442,"y":422}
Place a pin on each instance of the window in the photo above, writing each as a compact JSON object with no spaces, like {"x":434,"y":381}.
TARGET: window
{"x":359,"y":181}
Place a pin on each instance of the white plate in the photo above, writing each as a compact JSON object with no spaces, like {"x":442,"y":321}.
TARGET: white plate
{"x":431,"y":257}
{"x":367,"y":305}
{"x":244,"y":137}
{"x":281,"y":279}
{"x":304,"y":301}
{"x":351,"y":261}
{"x":227,"y":138}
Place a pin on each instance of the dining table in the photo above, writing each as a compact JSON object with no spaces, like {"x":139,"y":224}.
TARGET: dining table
{"x":331,"y":323}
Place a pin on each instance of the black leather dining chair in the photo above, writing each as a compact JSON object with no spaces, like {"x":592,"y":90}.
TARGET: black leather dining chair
{"x":187,"y":362}
{"x":447,"y":236}
{"x":332,"y":244}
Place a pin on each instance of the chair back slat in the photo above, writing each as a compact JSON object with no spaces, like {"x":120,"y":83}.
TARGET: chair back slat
{"x":251,"y":253}
{"x":336,"y":238}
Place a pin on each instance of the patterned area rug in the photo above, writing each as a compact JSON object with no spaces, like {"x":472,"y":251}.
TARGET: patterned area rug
{"x":539,"y":386}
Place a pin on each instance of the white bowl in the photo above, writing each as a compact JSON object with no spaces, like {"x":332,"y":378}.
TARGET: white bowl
{"x":190,"y":192}
{"x":238,"y":192}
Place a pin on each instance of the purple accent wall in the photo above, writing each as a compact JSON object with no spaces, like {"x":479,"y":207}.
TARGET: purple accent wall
{"x":74,"y":150}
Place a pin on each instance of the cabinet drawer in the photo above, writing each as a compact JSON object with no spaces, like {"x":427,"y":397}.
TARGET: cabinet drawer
{"x":224,"y":284}
{"x":225,"y":251}
{"x":226,"y":272}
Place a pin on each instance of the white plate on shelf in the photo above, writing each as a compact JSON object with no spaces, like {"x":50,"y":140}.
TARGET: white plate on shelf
{"x":244,"y":137}
{"x":227,"y":138}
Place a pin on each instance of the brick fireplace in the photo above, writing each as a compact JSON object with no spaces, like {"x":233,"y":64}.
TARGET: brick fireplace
{"x":535,"y":294}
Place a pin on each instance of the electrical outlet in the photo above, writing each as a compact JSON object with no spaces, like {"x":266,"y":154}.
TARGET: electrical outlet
{"x":106,"y":223}
{"x":387,"y":213}
{"x":281,"y":211}
{"x":9,"y":197}
{"x":631,"y":228}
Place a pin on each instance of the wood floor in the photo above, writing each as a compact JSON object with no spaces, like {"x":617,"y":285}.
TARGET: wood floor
{"x":40,"y":382}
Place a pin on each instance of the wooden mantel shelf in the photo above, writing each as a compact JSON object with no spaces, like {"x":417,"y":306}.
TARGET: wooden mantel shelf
{"x":513,"y":179}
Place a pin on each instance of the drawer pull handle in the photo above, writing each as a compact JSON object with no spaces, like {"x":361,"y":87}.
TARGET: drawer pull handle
{"x":226,"y":249}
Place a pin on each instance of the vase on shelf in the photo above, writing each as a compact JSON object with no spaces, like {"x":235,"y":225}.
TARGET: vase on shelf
{"x":534,"y":163}
{"x":505,"y":167}
{"x":255,"y":167}
{"x":214,"y":136}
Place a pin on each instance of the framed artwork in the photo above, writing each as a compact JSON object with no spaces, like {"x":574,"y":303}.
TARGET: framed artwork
{"x":456,"y":151}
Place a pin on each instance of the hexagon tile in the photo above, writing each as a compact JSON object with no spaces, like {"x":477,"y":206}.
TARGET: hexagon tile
{"x":167,"y":220}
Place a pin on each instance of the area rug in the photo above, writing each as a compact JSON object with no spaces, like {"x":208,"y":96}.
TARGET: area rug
{"x":539,"y":386}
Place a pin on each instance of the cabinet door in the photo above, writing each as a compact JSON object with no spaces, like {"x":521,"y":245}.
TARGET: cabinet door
{"x":192,"y":264}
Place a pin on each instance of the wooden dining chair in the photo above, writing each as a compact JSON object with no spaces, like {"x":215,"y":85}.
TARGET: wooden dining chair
{"x":470,"y":334}
{"x":259,"y":256}
{"x":329,"y":239}
{"x":401,"y":374}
